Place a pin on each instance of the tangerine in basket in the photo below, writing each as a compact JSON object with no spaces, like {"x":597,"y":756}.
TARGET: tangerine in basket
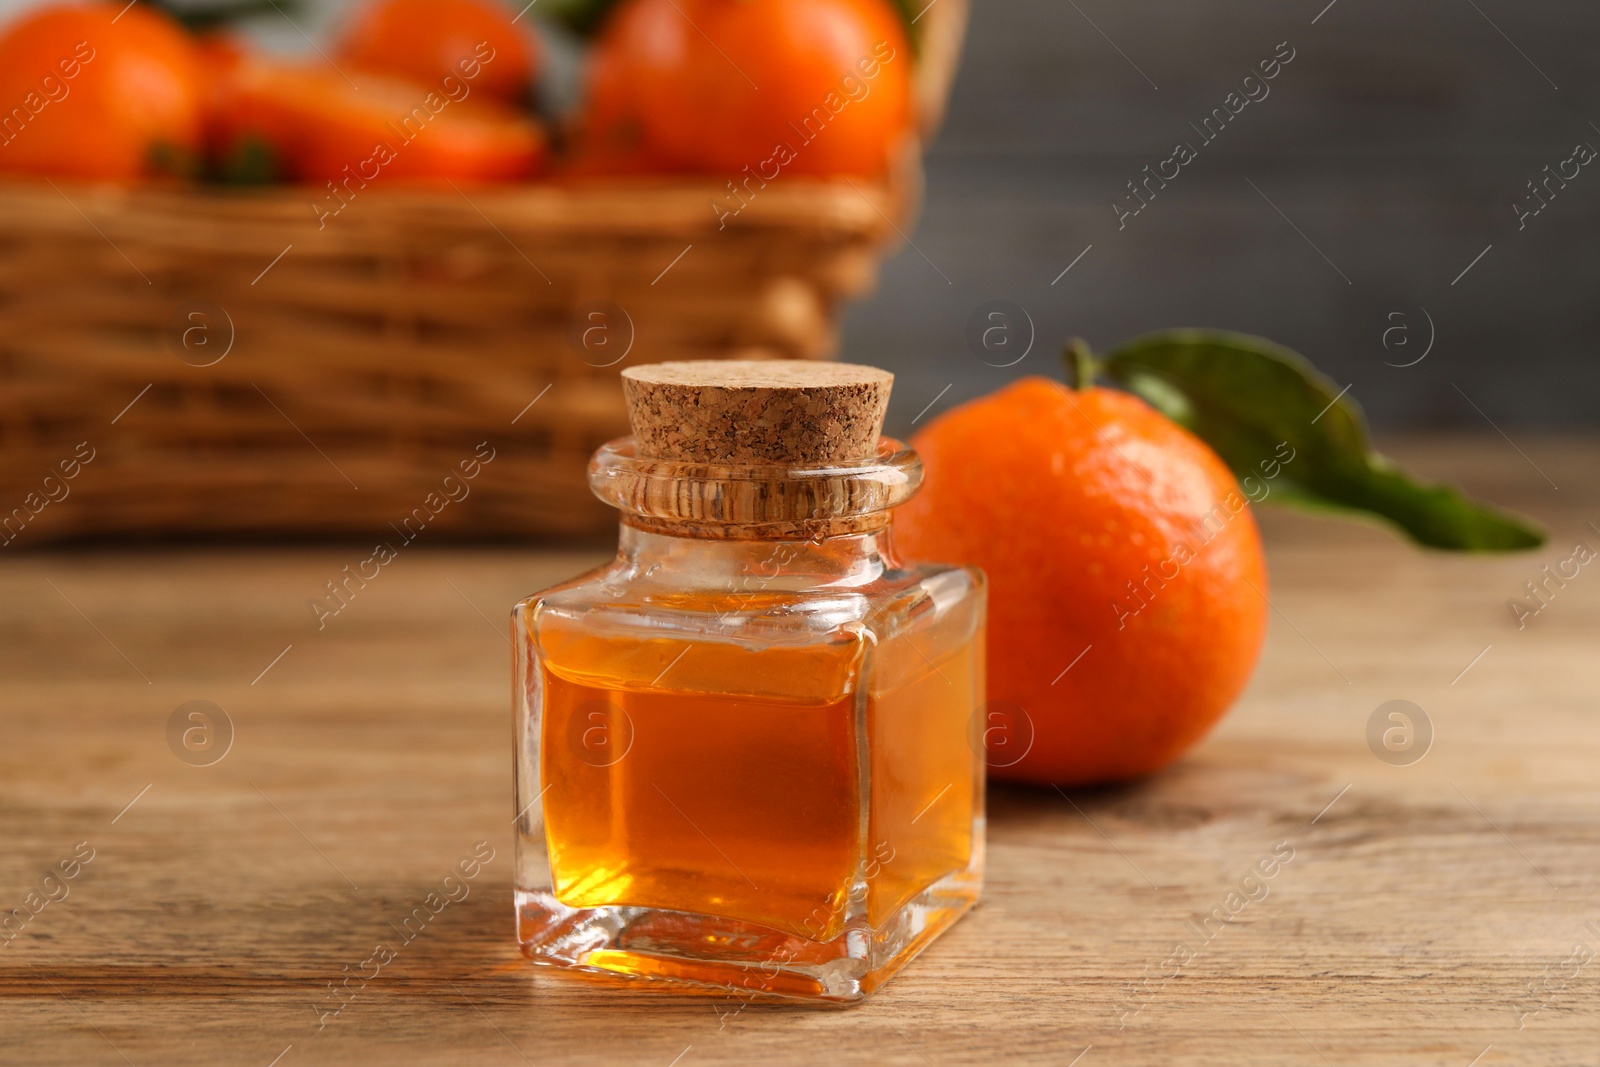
{"x":319,"y":128}
{"x":427,"y":41}
{"x":99,"y":91}
{"x":1127,"y":584}
{"x":609,"y":140}
{"x":221,"y":52}
{"x":801,"y":87}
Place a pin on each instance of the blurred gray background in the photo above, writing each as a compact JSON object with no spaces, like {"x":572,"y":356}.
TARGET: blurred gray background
{"x":1396,"y":141}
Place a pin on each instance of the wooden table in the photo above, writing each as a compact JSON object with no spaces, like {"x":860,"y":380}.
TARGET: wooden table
{"x":1431,"y":913}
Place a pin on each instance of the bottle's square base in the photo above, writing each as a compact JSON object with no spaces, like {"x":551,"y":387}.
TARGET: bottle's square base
{"x":692,"y":952}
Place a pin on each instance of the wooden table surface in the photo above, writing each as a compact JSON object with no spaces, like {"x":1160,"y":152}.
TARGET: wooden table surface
{"x":1443,"y":912}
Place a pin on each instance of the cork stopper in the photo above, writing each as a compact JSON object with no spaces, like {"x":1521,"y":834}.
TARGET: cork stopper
{"x":746,"y":412}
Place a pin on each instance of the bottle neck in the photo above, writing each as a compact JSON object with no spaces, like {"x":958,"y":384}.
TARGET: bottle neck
{"x":764,"y":503}
{"x":753,"y":565}
{"x":777,"y":532}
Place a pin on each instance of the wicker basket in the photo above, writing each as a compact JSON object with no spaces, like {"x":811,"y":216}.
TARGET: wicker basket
{"x":198,"y":362}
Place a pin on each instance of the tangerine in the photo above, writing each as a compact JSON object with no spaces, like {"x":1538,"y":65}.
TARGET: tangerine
{"x":609,"y":139}
{"x":97,"y":91}
{"x":320,"y":129}
{"x":430,"y":40}
{"x":814,"y":87}
{"x":1127,"y":599}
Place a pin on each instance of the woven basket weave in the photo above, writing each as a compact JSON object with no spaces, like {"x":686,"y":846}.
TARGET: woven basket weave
{"x":229,"y":365}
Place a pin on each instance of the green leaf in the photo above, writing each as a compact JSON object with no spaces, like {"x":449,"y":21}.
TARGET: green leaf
{"x":910,"y":11}
{"x":1286,"y":430}
{"x":252,"y":161}
{"x":582,"y":17}
{"x":198,"y":16}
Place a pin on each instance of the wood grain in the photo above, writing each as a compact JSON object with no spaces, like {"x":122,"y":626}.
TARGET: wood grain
{"x":1419,"y":906}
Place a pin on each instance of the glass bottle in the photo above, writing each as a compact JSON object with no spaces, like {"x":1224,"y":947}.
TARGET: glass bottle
{"x":748,"y":750}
